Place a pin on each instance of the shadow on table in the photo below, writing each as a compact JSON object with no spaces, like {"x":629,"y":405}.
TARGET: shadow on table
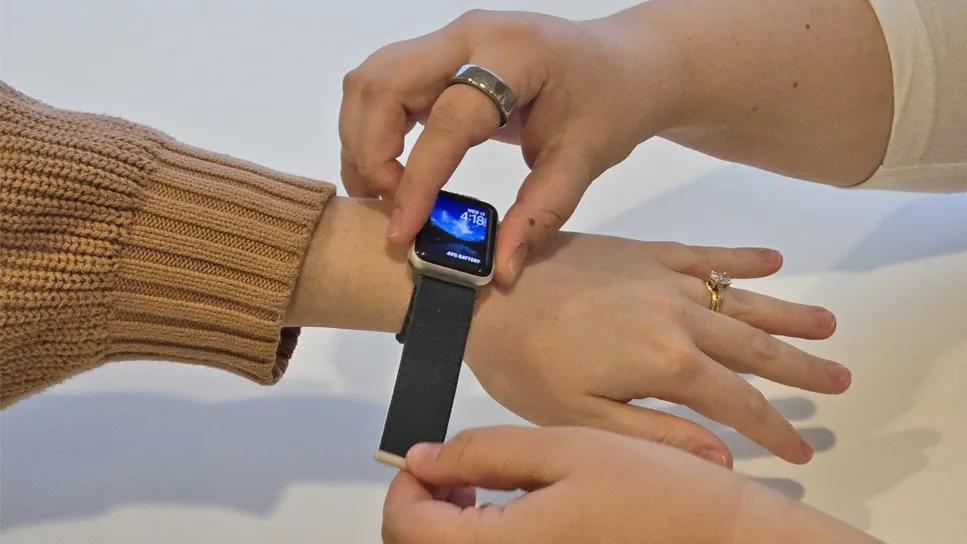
{"x":75,"y":456}
{"x":69,"y":456}
{"x":908,"y":326}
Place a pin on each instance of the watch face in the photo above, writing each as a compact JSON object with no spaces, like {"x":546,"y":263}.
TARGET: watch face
{"x":459,"y":235}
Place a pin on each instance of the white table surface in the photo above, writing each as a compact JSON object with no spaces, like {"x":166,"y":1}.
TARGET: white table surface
{"x":157,"y":452}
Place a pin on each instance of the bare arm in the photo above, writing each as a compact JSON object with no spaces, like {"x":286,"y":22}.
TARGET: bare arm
{"x":799,"y":88}
{"x":802,"y":88}
{"x":352,"y":279}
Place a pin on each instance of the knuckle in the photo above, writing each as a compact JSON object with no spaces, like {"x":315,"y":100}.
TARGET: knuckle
{"x":406,"y":195}
{"x":518,"y":29}
{"x":347,"y":158}
{"x":583,"y":413}
{"x":662,"y":435}
{"x":764,"y":347}
{"x":677,"y":246}
{"x":736,"y":255}
{"x":507,"y":27}
{"x":671,"y":308}
{"x":414,"y":195}
{"x":757,"y":405}
{"x":368,"y":171}
{"x":352,"y":80}
{"x":549,"y":220}
{"x":684,"y":362}
{"x":366,"y":83}
{"x":596,"y":157}
{"x":474,"y":17}
{"x":446,"y":118}
{"x":741,"y":306}
{"x":696,"y":259}
{"x":459,"y":447}
{"x":688,"y":367}
{"x":372,"y":87}
{"x":674,"y":249}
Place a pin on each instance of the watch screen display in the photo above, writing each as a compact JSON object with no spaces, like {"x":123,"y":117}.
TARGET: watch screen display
{"x":459,"y":234}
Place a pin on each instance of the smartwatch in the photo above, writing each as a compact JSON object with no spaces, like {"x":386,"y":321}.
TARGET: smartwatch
{"x":451,"y":259}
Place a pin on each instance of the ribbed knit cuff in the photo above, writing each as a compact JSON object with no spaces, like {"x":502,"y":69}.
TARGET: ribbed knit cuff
{"x":210,"y":261}
{"x":117,"y":242}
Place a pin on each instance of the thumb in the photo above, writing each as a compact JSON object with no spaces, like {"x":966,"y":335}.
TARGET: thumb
{"x":492,"y":457}
{"x":546,"y":200}
{"x":505,"y":458}
{"x":412,"y":515}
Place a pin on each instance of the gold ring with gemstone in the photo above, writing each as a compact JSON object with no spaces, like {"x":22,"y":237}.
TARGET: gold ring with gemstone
{"x":716,"y":284}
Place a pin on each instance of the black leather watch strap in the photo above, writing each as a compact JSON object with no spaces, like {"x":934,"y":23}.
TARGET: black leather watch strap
{"x":434,"y":336}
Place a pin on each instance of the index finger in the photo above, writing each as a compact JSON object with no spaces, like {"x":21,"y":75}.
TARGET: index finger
{"x":461,"y":118}
{"x":503,"y":457}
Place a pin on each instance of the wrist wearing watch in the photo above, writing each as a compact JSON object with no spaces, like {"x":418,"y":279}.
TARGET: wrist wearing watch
{"x":452,"y":258}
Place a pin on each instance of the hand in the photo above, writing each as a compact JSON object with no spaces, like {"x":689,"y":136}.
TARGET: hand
{"x":587,"y":486}
{"x":597,"y":321}
{"x":580,"y":112}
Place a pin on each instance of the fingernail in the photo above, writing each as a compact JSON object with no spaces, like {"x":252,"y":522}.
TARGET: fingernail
{"x":424,"y":452}
{"x":713,"y":455}
{"x":395,"y":219}
{"x":517,"y":260}
{"x":807,"y":450}
{"x":840,"y":375}
{"x":772,"y":257}
{"x":824,"y":319}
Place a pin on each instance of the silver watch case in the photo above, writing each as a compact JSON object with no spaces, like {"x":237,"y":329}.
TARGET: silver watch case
{"x":447,"y":274}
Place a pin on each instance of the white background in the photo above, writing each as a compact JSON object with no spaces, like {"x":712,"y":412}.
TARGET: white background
{"x":153,"y":452}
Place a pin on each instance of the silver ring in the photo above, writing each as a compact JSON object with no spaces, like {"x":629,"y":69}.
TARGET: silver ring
{"x":503,"y":96}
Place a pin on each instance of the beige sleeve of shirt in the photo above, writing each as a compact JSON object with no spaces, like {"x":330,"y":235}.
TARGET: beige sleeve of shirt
{"x":119,"y":243}
{"x":927,"y":40}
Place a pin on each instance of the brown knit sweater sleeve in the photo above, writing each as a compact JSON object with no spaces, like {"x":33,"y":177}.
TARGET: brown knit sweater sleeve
{"x":119,"y":243}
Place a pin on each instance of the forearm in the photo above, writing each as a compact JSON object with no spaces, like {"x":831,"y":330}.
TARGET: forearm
{"x":800,"y":88}
{"x":351,"y":278}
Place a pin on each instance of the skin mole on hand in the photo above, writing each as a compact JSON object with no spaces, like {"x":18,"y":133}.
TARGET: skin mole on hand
{"x":807,"y":26}
{"x":795,"y":84}
{"x":531,"y":221}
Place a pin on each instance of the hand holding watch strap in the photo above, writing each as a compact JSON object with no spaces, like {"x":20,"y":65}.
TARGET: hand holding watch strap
{"x":434,"y":336}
